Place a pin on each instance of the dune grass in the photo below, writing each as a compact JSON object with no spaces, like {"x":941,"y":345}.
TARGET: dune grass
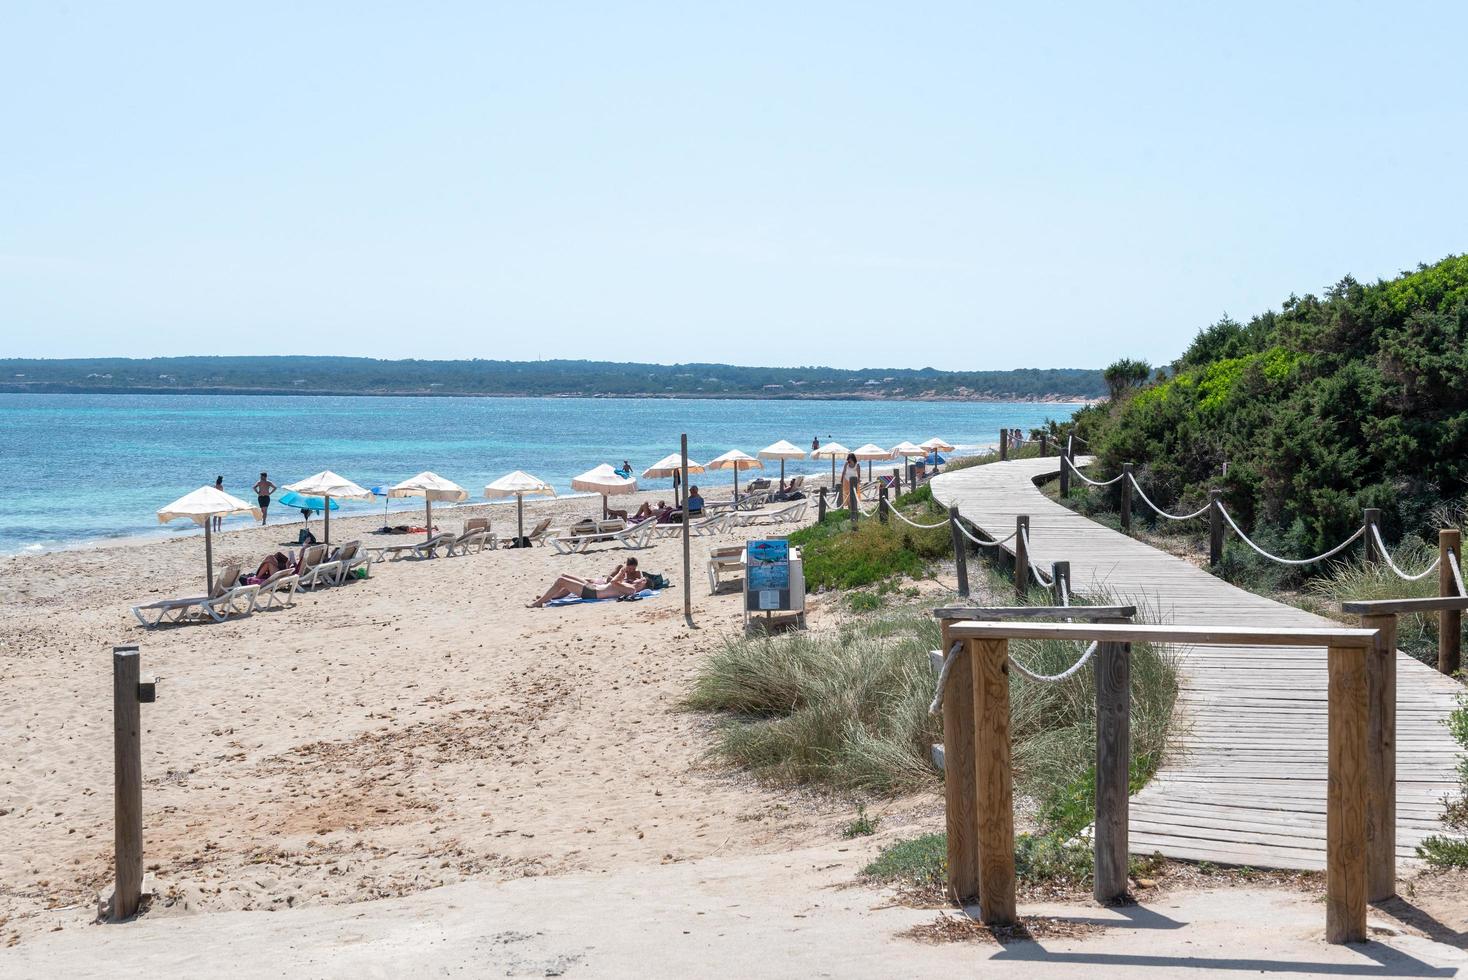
{"x":1360,"y":581}
{"x":836,"y":556}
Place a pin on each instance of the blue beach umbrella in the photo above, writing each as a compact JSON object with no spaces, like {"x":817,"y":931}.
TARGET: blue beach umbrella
{"x":292,"y":499}
{"x":934,"y":459}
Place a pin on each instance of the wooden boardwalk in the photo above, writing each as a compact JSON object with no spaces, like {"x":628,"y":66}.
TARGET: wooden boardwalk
{"x":1244,"y":782}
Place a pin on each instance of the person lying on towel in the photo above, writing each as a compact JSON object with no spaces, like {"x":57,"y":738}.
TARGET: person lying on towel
{"x":625,"y":580}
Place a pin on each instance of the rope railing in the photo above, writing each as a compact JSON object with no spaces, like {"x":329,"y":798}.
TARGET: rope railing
{"x":1386,"y":557}
{"x":937,"y":706}
{"x":905,"y":518}
{"x":1160,"y":512}
{"x":1063,"y":675}
{"x":1075,"y":471}
{"x":1289,"y":561}
{"x":982,"y":543}
{"x":1457,"y":568}
{"x":1035,"y":570}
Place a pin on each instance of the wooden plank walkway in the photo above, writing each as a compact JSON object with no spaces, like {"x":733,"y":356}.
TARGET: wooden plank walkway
{"x":1244,"y":782}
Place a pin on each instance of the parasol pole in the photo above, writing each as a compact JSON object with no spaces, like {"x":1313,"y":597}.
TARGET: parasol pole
{"x":326,"y":510}
{"x":428,"y":531}
{"x":603,"y":506}
{"x":209,"y":556}
{"x":520,"y":517}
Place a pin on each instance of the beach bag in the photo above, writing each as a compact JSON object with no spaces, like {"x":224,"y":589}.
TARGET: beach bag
{"x":655,"y":581}
{"x":305,"y":538}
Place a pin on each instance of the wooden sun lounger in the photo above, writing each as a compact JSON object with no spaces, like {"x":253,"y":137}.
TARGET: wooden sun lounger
{"x":723,"y":560}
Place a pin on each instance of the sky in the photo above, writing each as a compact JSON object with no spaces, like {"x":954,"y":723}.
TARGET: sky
{"x":966,"y":185}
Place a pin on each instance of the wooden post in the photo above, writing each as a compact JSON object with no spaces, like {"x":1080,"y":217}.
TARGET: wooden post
{"x":853,"y":487}
{"x":1060,"y":577}
{"x":1215,"y":527}
{"x":1021,"y":555}
{"x":1449,"y":621}
{"x":1372,"y":520}
{"x":993,"y":777}
{"x":960,"y":551}
{"x":1346,"y":794}
{"x":1126,"y":498}
{"x":1066,"y":454}
{"x":127,"y":783}
{"x":1381,"y":759}
{"x":1003,"y":444}
{"x":1113,"y":768}
{"x":959,"y":789}
{"x":208,"y":557}
{"x":882,"y":503}
{"x":687,"y":532}
{"x":1044,"y":444}
{"x":821,"y":505}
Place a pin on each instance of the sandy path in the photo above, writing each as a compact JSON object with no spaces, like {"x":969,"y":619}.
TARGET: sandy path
{"x":418,"y":728}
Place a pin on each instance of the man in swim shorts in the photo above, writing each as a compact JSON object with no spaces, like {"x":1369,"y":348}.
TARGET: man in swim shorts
{"x":263,"y":490}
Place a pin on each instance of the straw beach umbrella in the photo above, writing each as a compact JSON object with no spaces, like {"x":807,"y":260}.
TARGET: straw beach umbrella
{"x":327,"y":485}
{"x":519,"y":485}
{"x":870,"y":452}
{"x":431,"y":487}
{"x":605,"y":481}
{"x":782,"y":451}
{"x":908,"y":451}
{"x":833,"y":451}
{"x":200,"y":507}
{"x":669,"y":468}
{"x":736,"y":461}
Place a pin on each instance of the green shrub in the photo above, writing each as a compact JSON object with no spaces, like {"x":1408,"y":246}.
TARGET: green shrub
{"x":920,"y":862}
{"x":1441,"y":850}
{"x":837,"y":557}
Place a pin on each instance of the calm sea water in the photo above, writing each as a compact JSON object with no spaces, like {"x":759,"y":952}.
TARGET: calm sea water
{"x":84,"y":468}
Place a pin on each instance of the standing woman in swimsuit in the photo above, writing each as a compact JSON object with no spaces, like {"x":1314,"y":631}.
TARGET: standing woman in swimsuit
{"x":218,"y":521}
{"x":263,"y":490}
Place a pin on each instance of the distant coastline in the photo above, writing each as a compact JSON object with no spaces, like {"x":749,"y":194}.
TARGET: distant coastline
{"x":45,"y":388}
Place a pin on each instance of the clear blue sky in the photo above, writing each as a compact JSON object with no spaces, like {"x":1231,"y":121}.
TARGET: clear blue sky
{"x":963,"y":185}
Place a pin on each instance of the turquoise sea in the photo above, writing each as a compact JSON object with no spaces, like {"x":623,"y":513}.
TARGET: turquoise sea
{"x":87,"y":468}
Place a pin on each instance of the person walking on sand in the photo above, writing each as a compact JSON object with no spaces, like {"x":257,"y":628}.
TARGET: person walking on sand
{"x":851,"y":471}
{"x":263,"y":490}
{"x":218,"y":485}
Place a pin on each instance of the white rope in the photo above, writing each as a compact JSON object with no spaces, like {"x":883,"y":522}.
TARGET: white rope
{"x":1053,"y":678}
{"x":1095,"y":483}
{"x":1162,"y":513}
{"x":1290,"y":561}
{"x":1381,"y":550}
{"x":1064,"y":593}
{"x":925,"y":527}
{"x":1457,"y":568}
{"x":984,"y":544}
{"x":1035,"y":569}
{"x":953,"y":652}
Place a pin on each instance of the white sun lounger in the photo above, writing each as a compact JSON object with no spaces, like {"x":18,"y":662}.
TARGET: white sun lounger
{"x":712,"y":524}
{"x":724,"y":560}
{"x":793,"y":512}
{"x":429,"y":548}
{"x":478,"y":539}
{"x":315,"y":569}
{"x":227,"y":600}
{"x":278,"y":591}
{"x":635,"y":537}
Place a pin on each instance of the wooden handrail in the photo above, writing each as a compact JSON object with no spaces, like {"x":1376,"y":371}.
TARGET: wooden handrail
{"x":985,"y":613}
{"x":1399,"y":607}
{"x":1140,"y":633}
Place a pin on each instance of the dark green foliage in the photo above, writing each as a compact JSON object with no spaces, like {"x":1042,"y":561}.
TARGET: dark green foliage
{"x":1351,"y":400}
{"x":920,"y":862}
{"x":363,"y":375}
{"x":1125,"y":375}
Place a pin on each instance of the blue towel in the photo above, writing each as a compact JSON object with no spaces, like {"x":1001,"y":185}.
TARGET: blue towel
{"x":576,"y":600}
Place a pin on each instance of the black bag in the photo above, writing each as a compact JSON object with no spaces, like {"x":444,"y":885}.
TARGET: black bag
{"x":655,"y":581}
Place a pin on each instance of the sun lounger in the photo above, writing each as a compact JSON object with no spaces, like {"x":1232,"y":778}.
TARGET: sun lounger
{"x":393,"y":551}
{"x":793,"y":511}
{"x":639,"y":536}
{"x":278,"y":591}
{"x":429,"y":548}
{"x":477,"y":538}
{"x":227,"y":599}
{"x":315,"y":569}
{"x":723,"y":560}
{"x":712,"y":524}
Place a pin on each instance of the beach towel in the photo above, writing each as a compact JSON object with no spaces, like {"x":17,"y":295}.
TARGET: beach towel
{"x":575,"y":600}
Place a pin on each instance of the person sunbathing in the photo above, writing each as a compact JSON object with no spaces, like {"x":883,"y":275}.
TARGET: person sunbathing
{"x":645,"y":511}
{"x":625,"y":581}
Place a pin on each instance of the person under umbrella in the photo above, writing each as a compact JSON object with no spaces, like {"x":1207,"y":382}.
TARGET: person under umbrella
{"x":603,"y":480}
{"x":671,"y":467}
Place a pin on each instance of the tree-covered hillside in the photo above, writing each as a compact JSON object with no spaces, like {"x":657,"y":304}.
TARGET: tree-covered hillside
{"x":362,"y":375}
{"x":1354,"y":399}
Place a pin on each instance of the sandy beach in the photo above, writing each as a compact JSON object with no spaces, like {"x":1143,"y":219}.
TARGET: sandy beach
{"x":418,"y":728}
